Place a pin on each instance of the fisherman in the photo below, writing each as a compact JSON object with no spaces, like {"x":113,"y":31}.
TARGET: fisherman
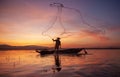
{"x":57,"y":43}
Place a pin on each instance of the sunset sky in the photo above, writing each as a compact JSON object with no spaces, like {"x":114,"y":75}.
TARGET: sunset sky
{"x":22,"y":22}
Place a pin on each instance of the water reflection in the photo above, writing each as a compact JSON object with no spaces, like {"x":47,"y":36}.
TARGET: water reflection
{"x":62,"y":59}
{"x":57,"y":66}
{"x":28,"y":63}
{"x":57,"y":63}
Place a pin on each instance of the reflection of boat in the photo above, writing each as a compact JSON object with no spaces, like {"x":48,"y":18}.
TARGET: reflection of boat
{"x":61,"y":51}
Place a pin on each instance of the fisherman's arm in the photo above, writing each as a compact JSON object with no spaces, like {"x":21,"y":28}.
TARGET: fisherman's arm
{"x":53,"y":40}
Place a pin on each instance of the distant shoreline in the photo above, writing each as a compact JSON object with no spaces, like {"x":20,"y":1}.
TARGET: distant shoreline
{"x":49,"y":48}
{"x":34,"y":47}
{"x":102,"y":48}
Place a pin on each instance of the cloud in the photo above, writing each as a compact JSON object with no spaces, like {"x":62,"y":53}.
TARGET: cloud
{"x":114,"y":28}
{"x":95,"y":35}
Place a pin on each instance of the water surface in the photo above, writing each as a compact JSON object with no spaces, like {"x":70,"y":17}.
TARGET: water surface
{"x":28,"y":63}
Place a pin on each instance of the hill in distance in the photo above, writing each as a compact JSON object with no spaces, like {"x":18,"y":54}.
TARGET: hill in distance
{"x":27,"y":47}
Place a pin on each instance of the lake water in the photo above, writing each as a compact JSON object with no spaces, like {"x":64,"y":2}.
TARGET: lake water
{"x":28,"y":63}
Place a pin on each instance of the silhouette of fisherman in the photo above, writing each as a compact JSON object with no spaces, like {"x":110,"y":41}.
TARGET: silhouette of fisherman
{"x":57,"y":43}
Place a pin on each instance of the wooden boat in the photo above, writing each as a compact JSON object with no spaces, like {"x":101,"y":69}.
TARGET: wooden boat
{"x":61,"y":51}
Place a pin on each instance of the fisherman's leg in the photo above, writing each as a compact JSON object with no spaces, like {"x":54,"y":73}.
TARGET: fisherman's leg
{"x":56,"y":49}
{"x":85,"y":51}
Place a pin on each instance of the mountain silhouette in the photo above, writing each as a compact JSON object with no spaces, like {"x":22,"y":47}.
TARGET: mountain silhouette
{"x":27,"y":47}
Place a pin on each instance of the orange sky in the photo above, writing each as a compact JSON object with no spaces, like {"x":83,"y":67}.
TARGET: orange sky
{"x":22,"y":23}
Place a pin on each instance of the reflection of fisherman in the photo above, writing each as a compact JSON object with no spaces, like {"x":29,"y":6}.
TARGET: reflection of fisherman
{"x":57,"y":63}
{"x":57,"y":43}
{"x":57,"y":60}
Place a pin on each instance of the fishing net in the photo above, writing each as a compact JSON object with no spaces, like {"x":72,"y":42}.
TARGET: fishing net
{"x":70,"y":21}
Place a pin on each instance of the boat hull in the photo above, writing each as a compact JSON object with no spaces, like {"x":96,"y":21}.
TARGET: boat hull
{"x":63,"y":51}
